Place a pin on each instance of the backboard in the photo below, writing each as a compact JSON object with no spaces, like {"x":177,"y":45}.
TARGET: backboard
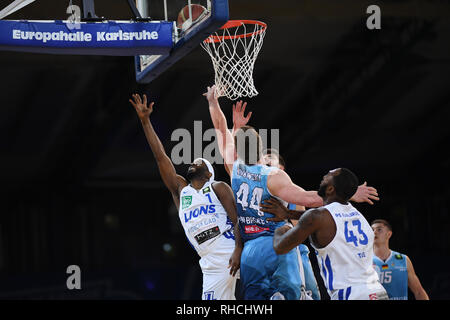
{"x":150,"y":34}
{"x":148,"y":67}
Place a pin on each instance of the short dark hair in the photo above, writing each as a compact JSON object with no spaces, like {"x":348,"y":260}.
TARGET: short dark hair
{"x":271,"y":151}
{"x":382,"y":221}
{"x":246,"y":151}
{"x":345,"y":183}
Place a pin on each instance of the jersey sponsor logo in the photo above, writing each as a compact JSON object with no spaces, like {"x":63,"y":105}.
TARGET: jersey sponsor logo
{"x":255,"y":229}
{"x":398,"y":256}
{"x":207,"y":235}
{"x":252,"y":220}
{"x":186,"y":201}
{"x":373,"y":296}
{"x":207,"y":189}
{"x":210,"y":208}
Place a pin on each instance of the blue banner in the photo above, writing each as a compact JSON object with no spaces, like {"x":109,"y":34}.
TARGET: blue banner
{"x":102,"y":38}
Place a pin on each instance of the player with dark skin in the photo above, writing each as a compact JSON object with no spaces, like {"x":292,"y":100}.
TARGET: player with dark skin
{"x":197,"y":175}
{"x":316,"y":223}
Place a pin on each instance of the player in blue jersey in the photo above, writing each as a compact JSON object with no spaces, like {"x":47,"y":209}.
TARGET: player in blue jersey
{"x":272,"y":158}
{"x":394,"y":269}
{"x":264,"y":274}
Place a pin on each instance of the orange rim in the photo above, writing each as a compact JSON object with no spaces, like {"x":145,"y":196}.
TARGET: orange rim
{"x":235,"y":24}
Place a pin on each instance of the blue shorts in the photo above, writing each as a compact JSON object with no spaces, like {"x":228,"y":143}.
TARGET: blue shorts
{"x":263,"y":272}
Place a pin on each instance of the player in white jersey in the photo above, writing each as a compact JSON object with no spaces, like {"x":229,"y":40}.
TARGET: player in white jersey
{"x":207,"y":211}
{"x":342,"y":238}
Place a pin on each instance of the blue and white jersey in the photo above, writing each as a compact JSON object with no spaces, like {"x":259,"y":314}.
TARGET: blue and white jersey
{"x":347,"y":260}
{"x":204,"y":219}
{"x":393,"y":275}
{"x":249,"y":184}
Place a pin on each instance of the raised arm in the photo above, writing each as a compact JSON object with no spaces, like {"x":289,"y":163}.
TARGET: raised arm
{"x":167,"y":171}
{"x":226,"y":197}
{"x":225,"y":139}
{"x":281,"y":186}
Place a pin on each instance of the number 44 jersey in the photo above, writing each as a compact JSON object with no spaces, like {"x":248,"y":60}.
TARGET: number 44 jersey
{"x":346,"y":262}
{"x":249,"y":184}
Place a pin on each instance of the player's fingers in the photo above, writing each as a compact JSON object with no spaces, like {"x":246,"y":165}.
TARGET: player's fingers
{"x":374,"y":198}
{"x":150,"y":107}
{"x":239,"y":105}
{"x":248,"y":116}
{"x":145,"y":99}
{"x":132,"y":103}
{"x":266,"y":207}
{"x":243,"y":107}
{"x":272,"y":201}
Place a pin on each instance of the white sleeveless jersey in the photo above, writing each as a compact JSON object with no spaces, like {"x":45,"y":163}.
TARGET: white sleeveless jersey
{"x":203,"y":218}
{"x":347,"y":260}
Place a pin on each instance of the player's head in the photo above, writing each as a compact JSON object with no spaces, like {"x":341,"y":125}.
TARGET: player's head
{"x":382,"y":230}
{"x":339,"y":184}
{"x":200,"y":169}
{"x":272,"y":158}
{"x":248,"y":145}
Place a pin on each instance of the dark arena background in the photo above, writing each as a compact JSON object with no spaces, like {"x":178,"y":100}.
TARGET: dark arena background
{"x":79,"y":184}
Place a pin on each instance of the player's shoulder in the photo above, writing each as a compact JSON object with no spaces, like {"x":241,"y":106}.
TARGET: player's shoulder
{"x":317,"y":213}
{"x":398,"y":255}
{"x":219,"y":186}
{"x":274,"y":173}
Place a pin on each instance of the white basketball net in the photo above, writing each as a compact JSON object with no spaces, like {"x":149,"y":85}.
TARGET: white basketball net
{"x":233,"y":56}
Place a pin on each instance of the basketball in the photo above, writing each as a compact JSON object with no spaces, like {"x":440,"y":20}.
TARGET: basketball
{"x":197,"y":11}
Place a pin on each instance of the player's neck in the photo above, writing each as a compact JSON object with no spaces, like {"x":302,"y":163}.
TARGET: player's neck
{"x":382,"y":251}
{"x":332,"y":199}
{"x":198,"y":183}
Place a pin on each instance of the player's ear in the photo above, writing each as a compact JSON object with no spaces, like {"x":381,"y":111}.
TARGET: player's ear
{"x":208,"y":174}
{"x":330,"y":190}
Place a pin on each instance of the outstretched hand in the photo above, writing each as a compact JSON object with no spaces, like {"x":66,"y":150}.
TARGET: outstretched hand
{"x":211,"y":94}
{"x":365,"y":194}
{"x":140,"y":105}
{"x":275,"y":207}
{"x":239,"y":120}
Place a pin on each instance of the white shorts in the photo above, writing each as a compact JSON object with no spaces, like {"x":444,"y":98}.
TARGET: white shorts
{"x":373,"y":291}
{"x":218,"y":284}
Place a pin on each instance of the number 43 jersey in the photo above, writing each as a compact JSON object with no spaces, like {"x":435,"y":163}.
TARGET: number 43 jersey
{"x":347,"y":260}
{"x":249,"y":184}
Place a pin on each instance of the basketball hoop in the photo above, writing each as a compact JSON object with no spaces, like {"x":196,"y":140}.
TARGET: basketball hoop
{"x":233,"y":50}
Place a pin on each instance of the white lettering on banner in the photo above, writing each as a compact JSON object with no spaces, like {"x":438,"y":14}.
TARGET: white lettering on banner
{"x":81,"y":36}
